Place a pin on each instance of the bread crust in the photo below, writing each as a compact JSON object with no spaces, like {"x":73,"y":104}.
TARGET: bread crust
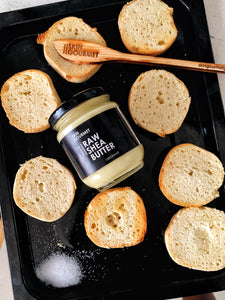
{"x":204,"y":232}
{"x":103,"y":199}
{"x":4,"y":89}
{"x":141,"y":48}
{"x":76,"y":76}
{"x":175,"y":199}
{"x":37,"y":178}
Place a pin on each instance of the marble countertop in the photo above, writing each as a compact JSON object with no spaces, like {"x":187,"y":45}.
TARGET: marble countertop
{"x":215,"y":11}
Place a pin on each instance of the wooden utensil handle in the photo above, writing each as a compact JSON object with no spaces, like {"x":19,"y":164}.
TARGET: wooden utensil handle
{"x":175,"y":63}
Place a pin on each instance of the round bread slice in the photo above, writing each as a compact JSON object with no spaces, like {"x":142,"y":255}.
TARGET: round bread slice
{"x":69,"y":28}
{"x":159,"y":102}
{"x":191,"y":176}
{"x":44,"y":189}
{"x":147,"y":26}
{"x":195,"y":238}
{"x":29,"y":98}
{"x":116,"y":218}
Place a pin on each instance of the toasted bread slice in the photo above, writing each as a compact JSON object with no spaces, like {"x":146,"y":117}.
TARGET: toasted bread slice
{"x":195,"y":238}
{"x":29,"y":98}
{"x":191,"y":176}
{"x":44,"y":189}
{"x":116,"y":218}
{"x":159,"y":102}
{"x":147,"y":26}
{"x":69,"y":28}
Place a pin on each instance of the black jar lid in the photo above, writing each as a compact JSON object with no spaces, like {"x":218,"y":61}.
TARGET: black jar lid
{"x":73,"y":102}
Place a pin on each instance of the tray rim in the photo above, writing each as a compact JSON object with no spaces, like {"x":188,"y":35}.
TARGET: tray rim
{"x":24,"y":15}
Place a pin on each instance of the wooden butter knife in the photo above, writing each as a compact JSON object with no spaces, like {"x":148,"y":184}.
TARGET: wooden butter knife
{"x":85,"y":52}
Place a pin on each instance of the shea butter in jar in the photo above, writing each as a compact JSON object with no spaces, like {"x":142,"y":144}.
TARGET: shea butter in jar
{"x":97,"y":138}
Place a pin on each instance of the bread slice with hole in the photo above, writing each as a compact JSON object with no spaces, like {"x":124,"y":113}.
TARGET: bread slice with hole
{"x":159,"y":102}
{"x":147,"y":26}
{"x":69,"y":28}
{"x":195,"y":238}
{"x":191,"y":176}
{"x":116,"y":218}
{"x":29,"y":98}
{"x":44,"y":188}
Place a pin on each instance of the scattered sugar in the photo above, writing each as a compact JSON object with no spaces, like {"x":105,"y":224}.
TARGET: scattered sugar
{"x":60,"y":270}
{"x":92,"y":268}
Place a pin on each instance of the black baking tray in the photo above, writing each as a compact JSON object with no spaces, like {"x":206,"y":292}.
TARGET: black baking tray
{"x":145,"y":269}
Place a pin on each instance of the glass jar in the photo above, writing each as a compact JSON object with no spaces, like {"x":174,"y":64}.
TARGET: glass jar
{"x":97,"y":138}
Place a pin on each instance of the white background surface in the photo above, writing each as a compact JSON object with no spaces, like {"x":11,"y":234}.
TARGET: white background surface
{"x":215,"y":11}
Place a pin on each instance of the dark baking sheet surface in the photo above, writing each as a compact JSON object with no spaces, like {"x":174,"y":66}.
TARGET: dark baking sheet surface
{"x":115,"y":273}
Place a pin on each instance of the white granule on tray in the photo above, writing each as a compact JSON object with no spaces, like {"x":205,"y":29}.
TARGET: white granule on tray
{"x":59,"y":270}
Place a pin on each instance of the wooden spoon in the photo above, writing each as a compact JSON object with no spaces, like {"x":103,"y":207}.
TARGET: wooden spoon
{"x":84,"y":52}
